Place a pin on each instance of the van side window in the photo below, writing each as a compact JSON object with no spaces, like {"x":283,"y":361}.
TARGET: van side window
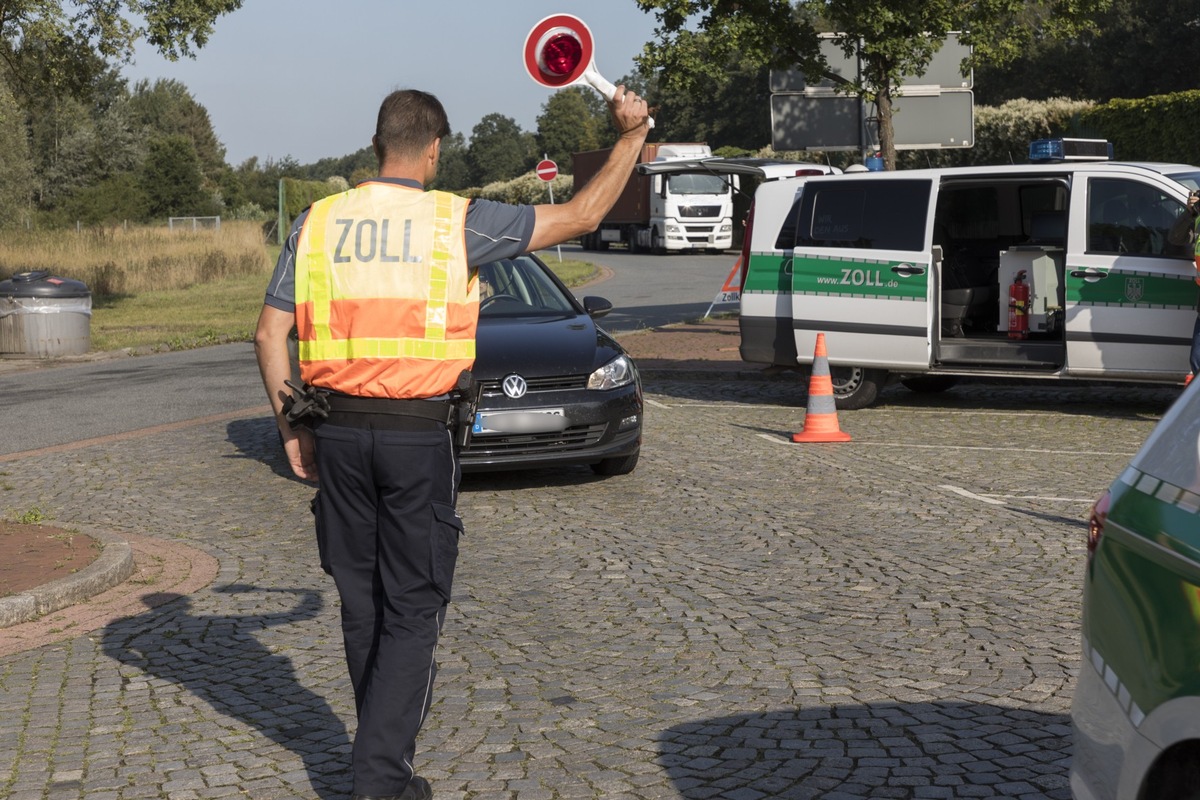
{"x":875,"y":214}
{"x":1130,"y":217}
{"x":786,"y":239}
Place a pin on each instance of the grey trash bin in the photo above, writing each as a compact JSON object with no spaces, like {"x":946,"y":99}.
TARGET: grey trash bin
{"x":43,"y":316}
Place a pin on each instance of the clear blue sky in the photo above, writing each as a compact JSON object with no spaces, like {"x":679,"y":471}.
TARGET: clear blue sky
{"x":305,"y":77}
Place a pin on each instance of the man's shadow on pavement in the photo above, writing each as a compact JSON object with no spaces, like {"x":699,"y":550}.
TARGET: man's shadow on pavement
{"x":220,"y":660}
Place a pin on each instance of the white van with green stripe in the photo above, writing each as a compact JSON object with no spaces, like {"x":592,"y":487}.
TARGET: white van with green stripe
{"x":908,"y":273}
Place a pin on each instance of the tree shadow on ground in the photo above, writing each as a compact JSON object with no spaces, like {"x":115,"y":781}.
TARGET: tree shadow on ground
{"x":932,"y":749}
{"x":219,"y":659}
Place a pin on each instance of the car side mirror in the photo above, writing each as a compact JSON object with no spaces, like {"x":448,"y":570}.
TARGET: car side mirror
{"x":596,"y":307}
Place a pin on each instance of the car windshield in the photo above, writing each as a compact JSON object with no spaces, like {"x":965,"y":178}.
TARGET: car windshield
{"x":697,"y":184}
{"x":1172,"y":453}
{"x":519,"y":287}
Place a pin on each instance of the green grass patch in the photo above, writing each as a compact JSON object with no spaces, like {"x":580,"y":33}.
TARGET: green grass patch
{"x":180,"y":319}
{"x":571,"y":272}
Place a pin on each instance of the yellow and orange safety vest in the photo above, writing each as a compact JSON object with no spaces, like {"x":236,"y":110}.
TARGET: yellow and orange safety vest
{"x":386,"y":305}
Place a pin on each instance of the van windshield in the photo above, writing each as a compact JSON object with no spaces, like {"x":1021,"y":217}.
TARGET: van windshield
{"x":696,"y":184}
{"x":1189,"y":179}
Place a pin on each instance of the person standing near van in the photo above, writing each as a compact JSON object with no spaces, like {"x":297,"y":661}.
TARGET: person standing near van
{"x":1186,"y":231}
{"x":380,"y":283}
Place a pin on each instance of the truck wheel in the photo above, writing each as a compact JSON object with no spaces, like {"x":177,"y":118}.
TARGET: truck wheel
{"x":929,"y":384}
{"x":656,"y":245}
{"x":855,"y":387}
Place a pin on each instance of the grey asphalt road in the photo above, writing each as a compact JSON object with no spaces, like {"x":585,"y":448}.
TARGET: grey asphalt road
{"x":647,"y":290}
{"x":79,"y":401}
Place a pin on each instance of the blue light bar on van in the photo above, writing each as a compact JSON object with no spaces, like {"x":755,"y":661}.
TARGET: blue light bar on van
{"x":1046,"y":150}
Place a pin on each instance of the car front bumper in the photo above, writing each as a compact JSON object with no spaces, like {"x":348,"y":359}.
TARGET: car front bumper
{"x":603,"y":425}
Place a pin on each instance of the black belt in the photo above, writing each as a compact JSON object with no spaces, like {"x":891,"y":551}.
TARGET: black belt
{"x":388,"y":414}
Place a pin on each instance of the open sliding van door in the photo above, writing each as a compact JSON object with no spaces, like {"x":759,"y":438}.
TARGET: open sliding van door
{"x":861,"y":272}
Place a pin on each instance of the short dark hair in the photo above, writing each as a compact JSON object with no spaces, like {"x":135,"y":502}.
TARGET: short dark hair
{"x":409,"y":120}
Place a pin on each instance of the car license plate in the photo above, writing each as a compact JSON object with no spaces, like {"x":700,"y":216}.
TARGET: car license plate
{"x":535,"y":420}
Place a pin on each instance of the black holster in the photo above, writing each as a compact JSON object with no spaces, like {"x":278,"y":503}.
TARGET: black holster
{"x":306,"y":405}
{"x":466,"y":399}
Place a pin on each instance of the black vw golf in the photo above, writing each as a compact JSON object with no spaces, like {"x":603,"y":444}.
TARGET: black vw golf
{"x":557,"y":389}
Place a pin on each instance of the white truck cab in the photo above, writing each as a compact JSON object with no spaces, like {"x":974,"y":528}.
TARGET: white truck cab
{"x":910,"y":274}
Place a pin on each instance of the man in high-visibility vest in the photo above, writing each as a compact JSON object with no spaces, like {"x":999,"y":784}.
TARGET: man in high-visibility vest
{"x":1186,"y":231}
{"x":379,"y":283}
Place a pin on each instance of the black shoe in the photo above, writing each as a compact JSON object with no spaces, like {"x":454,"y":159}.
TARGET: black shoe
{"x":418,"y":789}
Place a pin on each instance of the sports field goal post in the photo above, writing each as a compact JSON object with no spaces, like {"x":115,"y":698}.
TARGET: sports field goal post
{"x":194,"y":223}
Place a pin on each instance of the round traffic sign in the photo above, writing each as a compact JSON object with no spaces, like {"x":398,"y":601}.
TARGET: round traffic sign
{"x":547,"y":170}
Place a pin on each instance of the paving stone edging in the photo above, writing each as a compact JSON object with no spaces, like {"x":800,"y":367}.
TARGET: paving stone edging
{"x":111,"y":567}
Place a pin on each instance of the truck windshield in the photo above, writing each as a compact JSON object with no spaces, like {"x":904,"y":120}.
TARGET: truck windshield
{"x":696,"y":184}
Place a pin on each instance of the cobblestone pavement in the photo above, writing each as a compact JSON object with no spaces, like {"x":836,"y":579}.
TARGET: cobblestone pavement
{"x":740,"y":618}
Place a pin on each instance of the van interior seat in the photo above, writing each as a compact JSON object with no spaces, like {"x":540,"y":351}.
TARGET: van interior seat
{"x":969,"y":288}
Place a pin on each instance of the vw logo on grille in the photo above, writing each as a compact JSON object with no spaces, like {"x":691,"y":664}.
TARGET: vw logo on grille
{"x":515,"y":386}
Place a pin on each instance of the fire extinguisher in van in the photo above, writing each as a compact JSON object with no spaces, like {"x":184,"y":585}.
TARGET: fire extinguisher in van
{"x":1018,"y":308}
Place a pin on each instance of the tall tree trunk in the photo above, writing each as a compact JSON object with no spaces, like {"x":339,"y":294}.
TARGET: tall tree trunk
{"x":887,"y":138}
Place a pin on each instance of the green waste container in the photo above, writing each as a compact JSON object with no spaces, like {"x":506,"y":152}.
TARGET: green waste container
{"x":44,"y":316}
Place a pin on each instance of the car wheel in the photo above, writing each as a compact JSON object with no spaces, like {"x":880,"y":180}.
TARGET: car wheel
{"x":929,"y":384}
{"x":622,"y":465}
{"x":855,"y":387}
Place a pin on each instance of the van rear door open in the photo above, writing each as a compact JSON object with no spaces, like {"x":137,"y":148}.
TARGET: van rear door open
{"x":861,"y":271}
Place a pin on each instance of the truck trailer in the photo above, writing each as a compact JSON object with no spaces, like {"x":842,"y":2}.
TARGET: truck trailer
{"x":663,"y":213}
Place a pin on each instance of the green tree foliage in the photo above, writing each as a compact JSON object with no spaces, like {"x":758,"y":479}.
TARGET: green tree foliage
{"x":1138,"y":48}
{"x":112,"y":201}
{"x":1156,"y":128}
{"x":16,"y":166}
{"x":343,"y":166}
{"x":729,"y":109}
{"x":454,"y":171}
{"x":892,"y":38}
{"x":499,"y":150}
{"x":171,"y":179}
{"x":570,"y":122}
{"x":167,"y":108}
{"x":71,"y":42}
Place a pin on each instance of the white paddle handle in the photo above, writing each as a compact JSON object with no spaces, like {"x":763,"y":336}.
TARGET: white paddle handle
{"x":605,"y":88}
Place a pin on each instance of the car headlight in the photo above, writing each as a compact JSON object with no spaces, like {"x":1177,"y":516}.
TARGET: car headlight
{"x":614,"y":374}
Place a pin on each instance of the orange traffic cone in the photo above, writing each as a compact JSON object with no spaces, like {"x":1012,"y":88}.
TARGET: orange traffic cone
{"x":820,"y":421}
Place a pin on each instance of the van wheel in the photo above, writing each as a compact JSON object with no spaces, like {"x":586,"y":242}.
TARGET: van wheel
{"x":622,"y":465}
{"x":929,"y":384}
{"x":855,"y":387}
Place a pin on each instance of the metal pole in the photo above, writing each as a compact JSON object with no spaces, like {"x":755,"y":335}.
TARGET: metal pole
{"x":550,"y":189}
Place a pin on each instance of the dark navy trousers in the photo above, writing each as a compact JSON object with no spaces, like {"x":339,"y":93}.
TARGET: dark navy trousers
{"x":388,"y":533}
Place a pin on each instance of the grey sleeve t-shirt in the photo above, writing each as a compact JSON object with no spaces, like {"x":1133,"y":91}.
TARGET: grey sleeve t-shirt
{"x":493,"y":231}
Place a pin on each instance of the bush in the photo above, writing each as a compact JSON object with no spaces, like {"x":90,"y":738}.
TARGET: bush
{"x":528,"y":188}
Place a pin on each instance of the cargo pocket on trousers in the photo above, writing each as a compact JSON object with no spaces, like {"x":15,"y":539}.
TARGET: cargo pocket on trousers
{"x":322,"y":544}
{"x":447,"y":527}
